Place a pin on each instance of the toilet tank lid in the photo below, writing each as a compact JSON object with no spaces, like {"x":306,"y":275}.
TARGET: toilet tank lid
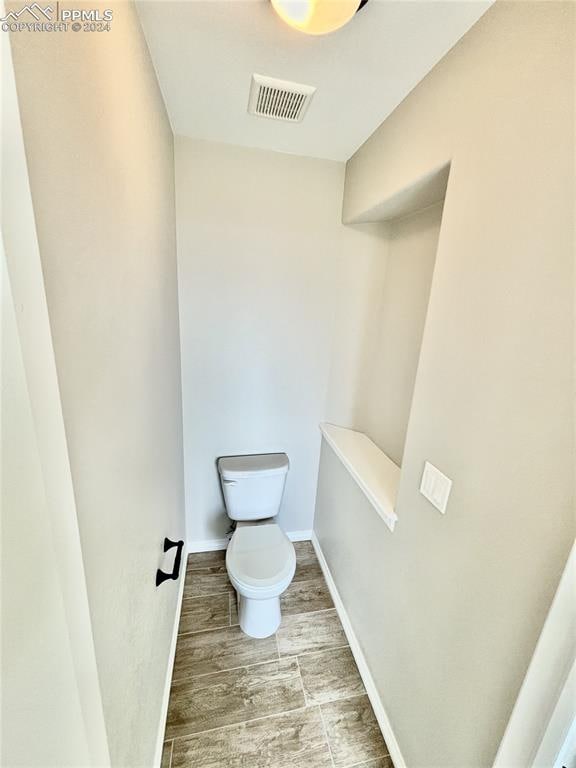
{"x":235,"y":467}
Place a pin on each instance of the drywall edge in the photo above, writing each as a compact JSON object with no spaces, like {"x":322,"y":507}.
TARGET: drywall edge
{"x":170,"y":665}
{"x":361,"y":663}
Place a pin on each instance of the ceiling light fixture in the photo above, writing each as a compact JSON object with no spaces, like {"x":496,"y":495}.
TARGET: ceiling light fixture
{"x":317,"y":17}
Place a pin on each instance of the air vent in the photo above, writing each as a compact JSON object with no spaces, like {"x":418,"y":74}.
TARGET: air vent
{"x":279,"y":99}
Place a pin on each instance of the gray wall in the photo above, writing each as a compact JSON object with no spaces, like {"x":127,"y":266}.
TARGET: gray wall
{"x":42,"y":721}
{"x":51,"y":703}
{"x":393,"y":347}
{"x":263,"y":263}
{"x":100,"y":158}
{"x":448,"y":608}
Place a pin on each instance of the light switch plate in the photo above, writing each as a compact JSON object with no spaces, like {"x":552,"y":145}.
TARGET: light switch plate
{"x":435,"y":486}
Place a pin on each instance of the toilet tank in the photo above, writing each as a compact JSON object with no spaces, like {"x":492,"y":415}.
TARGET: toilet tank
{"x":253,"y":485}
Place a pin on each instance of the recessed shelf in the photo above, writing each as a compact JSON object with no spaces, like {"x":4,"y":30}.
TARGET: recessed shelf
{"x":376,"y":474}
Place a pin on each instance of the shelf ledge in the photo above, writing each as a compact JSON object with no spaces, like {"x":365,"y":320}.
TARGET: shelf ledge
{"x":376,"y":474}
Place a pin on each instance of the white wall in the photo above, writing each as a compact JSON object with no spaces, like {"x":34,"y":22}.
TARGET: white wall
{"x":51,"y":702}
{"x":448,"y":608}
{"x":391,"y":356}
{"x":42,"y":721}
{"x":359,"y":273}
{"x":262,"y":262}
{"x":544,"y":716}
{"x":100,"y":159}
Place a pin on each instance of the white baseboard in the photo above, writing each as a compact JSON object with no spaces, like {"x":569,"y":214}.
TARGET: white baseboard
{"x":207,"y":545}
{"x":299,"y":535}
{"x":211,"y":545}
{"x":544,"y":710}
{"x":170,"y":666}
{"x":365,"y":674}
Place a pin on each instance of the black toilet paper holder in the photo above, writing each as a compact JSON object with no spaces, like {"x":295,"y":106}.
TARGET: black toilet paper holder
{"x":161,"y":575}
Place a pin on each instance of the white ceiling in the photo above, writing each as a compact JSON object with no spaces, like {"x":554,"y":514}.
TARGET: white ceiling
{"x":205,"y":52}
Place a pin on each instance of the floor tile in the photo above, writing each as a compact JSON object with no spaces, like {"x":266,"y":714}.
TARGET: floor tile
{"x":353,"y":732}
{"x":166,"y":754}
{"x":233,"y":608}
{"x":292,"y":740}
{"x":305,"y":552}
{"x":212,"y":701}
{"x":307,"y":570}
{"x":305,"y":597}
{"x":381,"y":762}
{"x":235,"y":704}
{"x":220,"y":649}
{"x":330,"y":675}
{"x":206,"y":581}
{"x":206,"y":559}
{"x":309,"y":632}
{"x":199,"y":613}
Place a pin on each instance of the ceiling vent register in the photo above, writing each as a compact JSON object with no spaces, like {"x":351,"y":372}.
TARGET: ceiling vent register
{"x":279,"y":99}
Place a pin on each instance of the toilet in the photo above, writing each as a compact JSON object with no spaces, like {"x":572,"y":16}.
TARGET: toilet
{"x":260,"y":558}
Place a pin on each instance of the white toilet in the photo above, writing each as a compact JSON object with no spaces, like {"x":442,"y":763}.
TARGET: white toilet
{"x":260,"y":558}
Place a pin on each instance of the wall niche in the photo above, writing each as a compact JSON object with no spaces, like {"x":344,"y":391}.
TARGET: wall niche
{"x":394,"y":336}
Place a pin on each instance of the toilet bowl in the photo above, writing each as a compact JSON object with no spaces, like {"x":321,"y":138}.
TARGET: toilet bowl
{"x":261,"y":563}
{"x":260,"y":559}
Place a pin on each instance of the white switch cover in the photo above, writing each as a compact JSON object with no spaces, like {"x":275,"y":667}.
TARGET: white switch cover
{"x":435,"y":486}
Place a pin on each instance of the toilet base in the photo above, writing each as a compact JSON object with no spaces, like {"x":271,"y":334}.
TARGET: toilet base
{"x":258,"y":618}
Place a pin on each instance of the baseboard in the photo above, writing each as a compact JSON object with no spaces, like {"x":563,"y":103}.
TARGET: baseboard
{"x":170,"y":667}
{"x":211,"y":545}
{"x":207,"y":545}
{"x":365,"y":674}
{"x":299,"y":535}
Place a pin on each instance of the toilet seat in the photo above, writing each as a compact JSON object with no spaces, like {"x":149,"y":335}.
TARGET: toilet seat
{"x":261,"y":561}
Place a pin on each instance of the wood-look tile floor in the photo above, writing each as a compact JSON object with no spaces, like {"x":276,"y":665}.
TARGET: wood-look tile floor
{"x":294,"y":700}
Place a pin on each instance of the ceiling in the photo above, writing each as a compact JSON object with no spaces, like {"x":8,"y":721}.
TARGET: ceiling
{"x":205,"y":52}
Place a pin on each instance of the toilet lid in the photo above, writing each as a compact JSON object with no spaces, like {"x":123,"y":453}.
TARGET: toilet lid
{"x":260,"y":555}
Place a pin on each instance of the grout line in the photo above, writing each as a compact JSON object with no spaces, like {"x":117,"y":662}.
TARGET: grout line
{"x":220,"y":671}
{"x":210,"y":594}
{"x":304,"y":613}
{"x":326,"y":736}
{"x":326,"y":650}
{"x":265,"y":661}
{"x":202,"y":597}
{"x":232,"y":669}
{"x":354,"y":765}
{"x":203,"y":631}
{"x":240,"y":722}
{"x":171,"y":753}
{"x":279,"y":659}
{"x":199,"y":631}
{"x":367,"y":762}
{"x":283,"y":711}
{"x":363,"y":762}
{"x":306,"y":704}
{"x":318,"y":577}
{"x":225,"y":626}
{"x":279,"y":714}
